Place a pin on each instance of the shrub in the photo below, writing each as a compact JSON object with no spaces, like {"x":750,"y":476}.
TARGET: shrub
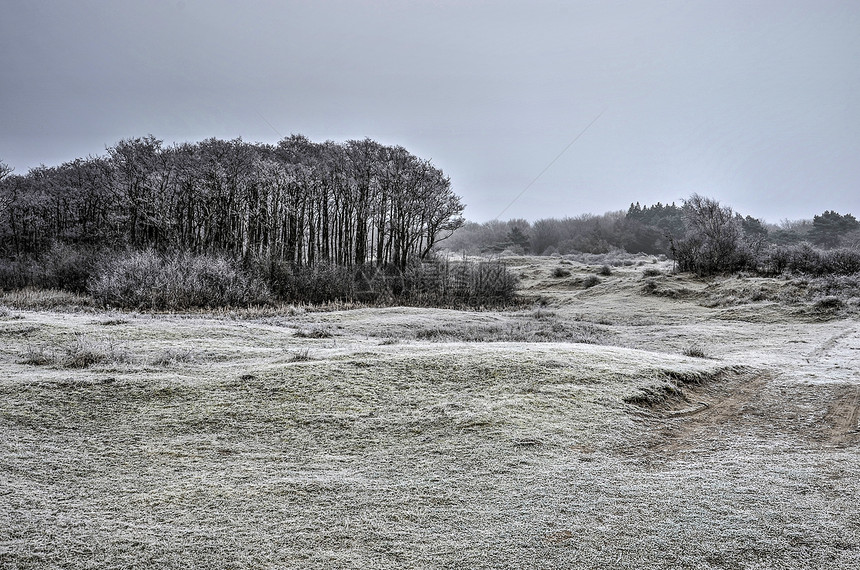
{"x":650,"y":286}
{"x":830,"y":303}
{"x":590,"y":281}
{"x":604,"y":270}
{"x":432,"y":282}
{"x":170,"y":356}
{"x":149,"y":280}
{"x":66,"y":267}
{"x":715,"y":240}
{"x":651,"y":272}
{"x":841,"y":261}
{"x":809,"y":260}
{"x":324,"y":282}
{"x":15,"y":274}
{"x":181,"y":280}
{"x":62,"y":266}
{"x":560,"y":272}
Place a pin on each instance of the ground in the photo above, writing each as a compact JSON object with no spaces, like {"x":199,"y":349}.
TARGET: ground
{"x":654,"y":420}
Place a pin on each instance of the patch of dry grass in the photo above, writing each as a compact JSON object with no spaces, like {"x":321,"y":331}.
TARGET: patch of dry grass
{"x":515,"y":331}
{"x":79,"y":352}
{"x":476,"y":456}
{"x":45,"y":299}
{"x":314,"y":333}
{"x":457,"y":455}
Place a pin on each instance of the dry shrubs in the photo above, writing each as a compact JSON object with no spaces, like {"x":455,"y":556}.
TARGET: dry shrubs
{"x":828,"y":304}
{"x":668,"y":386}
{"x":173,"y":356}
{"x":590,"y":281}
{"x":149,"y":280}
{"x":808,"y":260}
{"x":60,"y":267}
{"x":45,"y":299}
{"x":428,"y":283}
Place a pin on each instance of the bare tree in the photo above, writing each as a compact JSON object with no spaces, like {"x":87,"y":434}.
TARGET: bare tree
{"x":298,"y":202}
{"x":713,"y":239}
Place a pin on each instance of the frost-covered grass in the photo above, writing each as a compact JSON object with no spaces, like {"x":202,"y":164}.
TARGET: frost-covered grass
{"x":352,"y":439}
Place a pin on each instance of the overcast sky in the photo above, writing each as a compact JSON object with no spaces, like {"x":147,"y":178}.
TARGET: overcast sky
{"x":754,"y":103}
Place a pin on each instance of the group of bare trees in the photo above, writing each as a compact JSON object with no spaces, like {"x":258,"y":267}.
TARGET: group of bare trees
{"x":299,"y":201}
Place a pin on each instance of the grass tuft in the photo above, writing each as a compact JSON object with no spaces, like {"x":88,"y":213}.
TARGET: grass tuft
{"x":81,"y":352}
{"x":173,"y":356}
{"x":695,"y":351}
{"x":300,"y":356}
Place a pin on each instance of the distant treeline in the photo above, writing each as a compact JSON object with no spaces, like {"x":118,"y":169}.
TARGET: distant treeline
{"x":701,"y":235}
{"x":642,"y":229}
{"x":297,"y":201}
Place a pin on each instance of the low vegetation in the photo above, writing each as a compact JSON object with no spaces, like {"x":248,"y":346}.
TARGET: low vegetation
{"x":149,"y":280}
{"x":702,"y":236}
{"x":597,"y":428}
{"x":79,"y":352}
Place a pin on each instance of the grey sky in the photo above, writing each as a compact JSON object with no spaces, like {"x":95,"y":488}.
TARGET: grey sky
{"x":752,"y":102}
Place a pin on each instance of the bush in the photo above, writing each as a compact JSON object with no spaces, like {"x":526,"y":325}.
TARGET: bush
{"x":433,"y":282}
{"x":149,"y":280}
{"x":560,"y":272}
{"x":66,"y":267}
{"x":604,"y":270}
{"x":590,"y":281}
{"x":181,"y":280}
{"x":715,"y":240}
{"x":15,"y":274}
{"x":322,"y":283}
{"x":830,"y":303}
{"x":63,"y":267}
{"x":841,"y":261}
{"x":809,"y":260}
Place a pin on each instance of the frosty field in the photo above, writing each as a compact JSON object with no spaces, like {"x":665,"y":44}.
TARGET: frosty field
{"x":661,"y":422}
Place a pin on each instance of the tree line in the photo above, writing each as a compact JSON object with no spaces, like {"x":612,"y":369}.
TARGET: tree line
{"x":297,"y":201}
{"x":647,"y":229}
{"x":217,"y":223}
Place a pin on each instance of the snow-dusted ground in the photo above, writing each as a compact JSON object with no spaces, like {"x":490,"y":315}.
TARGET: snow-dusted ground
{"x":433,"y":438}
